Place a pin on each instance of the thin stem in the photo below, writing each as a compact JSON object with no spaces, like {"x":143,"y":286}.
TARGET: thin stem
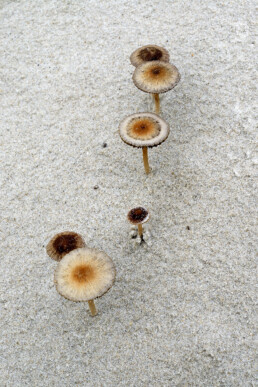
{"x":157,"y":103}
{"x":140,"y":230}
{"x":145,"y":159}
{"x":92,"y":307}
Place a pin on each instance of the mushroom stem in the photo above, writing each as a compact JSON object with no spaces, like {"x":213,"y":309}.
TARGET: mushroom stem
{"x":145,"y":159}
{"x":157,"y":103}
{"x":140,"y":230}
{"x":92,"y":307}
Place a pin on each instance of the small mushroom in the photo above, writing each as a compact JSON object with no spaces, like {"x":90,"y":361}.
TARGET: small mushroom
{"x":84,"y":275}
{"x":62,"y":243}
{"x":138,"y":216}
{"x":144,"y":130}
{"x":149,"y":53}
{"x":156,"y":77}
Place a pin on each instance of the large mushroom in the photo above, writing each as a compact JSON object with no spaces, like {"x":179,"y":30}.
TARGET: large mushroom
{"x":84,"y":275}
{"x":156,"y":77}
{"x":149,"y":53}
{"x":144,"y":130}
{"x":62,"y":243}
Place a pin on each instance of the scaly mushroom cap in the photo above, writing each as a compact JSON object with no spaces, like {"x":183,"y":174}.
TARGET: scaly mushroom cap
{"x":138,"y":215}
{"x":156,"y":77}
{"x":84,"y":274}
{"x":149,"y":53}
{"x":143,"y":130}
{"x":62,"y":243}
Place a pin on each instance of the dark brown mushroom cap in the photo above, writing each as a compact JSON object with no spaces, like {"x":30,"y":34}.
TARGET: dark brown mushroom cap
{"x":156,"y":77}
{"x":62,"y":243}
{"x":84,"y":274}
{"x":143,"y":130}
{"x":149,"y":53}
{"x":138,"y":215}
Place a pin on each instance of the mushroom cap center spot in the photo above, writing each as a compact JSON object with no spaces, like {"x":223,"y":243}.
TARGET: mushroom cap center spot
{"x":82,"y":273}
{"x":142,"y":127}
{"x":156,"y":71}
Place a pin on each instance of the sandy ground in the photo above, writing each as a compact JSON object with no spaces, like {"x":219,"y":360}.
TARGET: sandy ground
{"x":182,"y":311}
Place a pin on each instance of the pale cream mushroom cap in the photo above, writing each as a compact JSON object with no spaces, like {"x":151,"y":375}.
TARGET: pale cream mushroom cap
{"x":156,"y":77}
{"x":143,"y":130}
{"x":84,"y":274}
{"x":149,"y":53}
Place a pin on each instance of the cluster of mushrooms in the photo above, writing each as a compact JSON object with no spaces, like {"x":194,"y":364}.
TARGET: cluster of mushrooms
{"x":84,"y":273}
{"x":155,"y":75}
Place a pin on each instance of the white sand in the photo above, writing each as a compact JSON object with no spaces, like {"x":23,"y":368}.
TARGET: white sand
{"x":182,"y":311}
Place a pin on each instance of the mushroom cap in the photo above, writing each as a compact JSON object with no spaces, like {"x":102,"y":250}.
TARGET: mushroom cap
{"x":138,"y":215}
{"x":84,"y":274}
{"x":149,"y":53}
{"x":143,"y":130}
{"x":156,"y":77}
{"x":62,"y":243}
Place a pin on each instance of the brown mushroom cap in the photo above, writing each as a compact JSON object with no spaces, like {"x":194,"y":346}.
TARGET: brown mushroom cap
{"x":138,"y":215}
{"x":143,"y":130}
{"x":84,"y":274}
{"x":149,"y":53}
{"x":156,"y":77}
{"x":62,"y":243}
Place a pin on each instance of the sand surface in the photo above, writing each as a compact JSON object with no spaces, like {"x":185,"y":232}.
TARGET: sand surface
{"x":182,"y":311}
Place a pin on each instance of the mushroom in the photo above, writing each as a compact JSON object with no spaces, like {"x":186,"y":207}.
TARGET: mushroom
{"x":149,"y":53}
{"x":85,"y":274}
{"x":156,"y":77}
{"x":144,"y":130}
{"x":138,"y":216}
{"x":62,"y":243}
